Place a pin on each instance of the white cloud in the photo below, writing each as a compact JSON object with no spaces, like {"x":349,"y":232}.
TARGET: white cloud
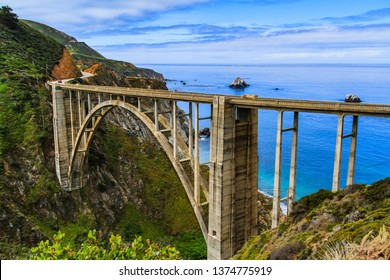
{"x":329,"y":45}
{"x":127,"y":30}
{"x":82,"y":14}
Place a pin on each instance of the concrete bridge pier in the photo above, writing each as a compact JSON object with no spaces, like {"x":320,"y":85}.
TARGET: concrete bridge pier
{"x":233,"y":179}
{"x":278,"y":168}
{"x":338,"y":153}
{"x":352,"y":151}
{"x":69,"y":111}
{"x":62,"y":147}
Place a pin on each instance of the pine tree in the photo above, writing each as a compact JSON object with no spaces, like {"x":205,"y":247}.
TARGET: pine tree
{"x":8,"y":18}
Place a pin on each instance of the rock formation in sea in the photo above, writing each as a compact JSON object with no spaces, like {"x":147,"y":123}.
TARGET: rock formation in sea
{"x":204,"y":132}
{"x":352,"y":98}
{"x":238,"y":83}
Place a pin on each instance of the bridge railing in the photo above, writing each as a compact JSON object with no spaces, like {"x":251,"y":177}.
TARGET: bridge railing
{"x":315,"y":106}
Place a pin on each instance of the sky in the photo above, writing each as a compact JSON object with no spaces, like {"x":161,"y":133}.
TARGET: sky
{"x":222,"y":31}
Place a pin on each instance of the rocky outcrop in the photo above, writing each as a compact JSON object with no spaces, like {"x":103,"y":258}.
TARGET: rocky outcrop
{"x":204,"y":132}
{"x":66,"y":68}
{"x":238,"y":83}
{"x":94,"y":68}
{"x":352,"y":98}
{"x":107,"y":77}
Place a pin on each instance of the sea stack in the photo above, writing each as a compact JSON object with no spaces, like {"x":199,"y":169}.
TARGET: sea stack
{"x":238,"y":83}
{"x":352,"y":98}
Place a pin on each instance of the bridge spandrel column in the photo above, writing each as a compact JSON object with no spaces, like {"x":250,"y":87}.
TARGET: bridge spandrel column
{"x":233,"y":179}
{"x":338,"y":154}
{"x":352,"y":152}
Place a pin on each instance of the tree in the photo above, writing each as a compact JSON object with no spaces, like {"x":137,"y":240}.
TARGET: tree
{"x":8,"y":18}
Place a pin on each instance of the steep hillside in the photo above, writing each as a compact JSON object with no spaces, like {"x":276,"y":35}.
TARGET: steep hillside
{"x":351,"y":224}
{"x":24,"y":68}
{"x":75,"y":47}
{"x":85,"y":56}
{"x":121,"y":195}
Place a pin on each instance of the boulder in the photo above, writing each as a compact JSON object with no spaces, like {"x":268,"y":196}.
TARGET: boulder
{"x":238,"y":83}
{"x":352,"y":98}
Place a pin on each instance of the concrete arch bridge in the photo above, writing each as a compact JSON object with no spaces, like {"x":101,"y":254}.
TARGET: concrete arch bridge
{"x":230,"y":195}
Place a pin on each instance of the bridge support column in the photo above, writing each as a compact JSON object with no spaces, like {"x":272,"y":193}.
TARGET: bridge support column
{"x":278,"y":168}
{"x":352,"y":152}
{"x":196,"y":156}
{"x":338,"y":153}
{"x":233,"y":179}
{"x":62,"y":141}
{"x":293,"y":165}
{"x":156,"y":114}
{"x":174,"y":127}
{"x":278,"y":171}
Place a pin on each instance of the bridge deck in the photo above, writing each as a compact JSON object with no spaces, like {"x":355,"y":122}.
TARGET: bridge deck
{"x":362,"y":109}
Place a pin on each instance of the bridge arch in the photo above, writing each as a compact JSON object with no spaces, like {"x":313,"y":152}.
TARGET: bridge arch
{"x":77,"y":157}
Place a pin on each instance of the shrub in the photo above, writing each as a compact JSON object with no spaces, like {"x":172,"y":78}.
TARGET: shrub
{"x":95,"y":249}
{"x":307,"y":203}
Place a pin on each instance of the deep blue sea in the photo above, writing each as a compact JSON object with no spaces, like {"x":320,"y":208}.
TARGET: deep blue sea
{"x":317,"y":132}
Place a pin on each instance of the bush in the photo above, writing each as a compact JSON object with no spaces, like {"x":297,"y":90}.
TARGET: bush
{"x":95,"y":249}
{"x":307,"y":203}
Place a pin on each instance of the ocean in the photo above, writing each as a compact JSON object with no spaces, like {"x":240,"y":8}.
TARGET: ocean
{"x":317,"y":132}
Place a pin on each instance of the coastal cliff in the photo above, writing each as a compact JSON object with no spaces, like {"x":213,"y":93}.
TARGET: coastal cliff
{"x":123,"y":194}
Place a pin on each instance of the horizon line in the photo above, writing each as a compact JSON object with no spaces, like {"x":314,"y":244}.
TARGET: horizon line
{"x":272,"y":64}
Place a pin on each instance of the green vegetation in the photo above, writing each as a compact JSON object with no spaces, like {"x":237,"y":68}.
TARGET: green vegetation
{"x":32,"y":204}
{"x":96,"y":249}
{"x":23,"y":70}
{"x":171,"y":219}
{"x":75,"y":48}
{"x":351,"y":224}
{"x":134,"y":223}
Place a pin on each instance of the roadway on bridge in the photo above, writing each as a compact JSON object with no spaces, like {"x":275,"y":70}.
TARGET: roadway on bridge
{"x":248,"y":101}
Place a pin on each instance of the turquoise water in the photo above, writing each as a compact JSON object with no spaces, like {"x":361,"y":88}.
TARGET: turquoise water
{"x":317,"y":132}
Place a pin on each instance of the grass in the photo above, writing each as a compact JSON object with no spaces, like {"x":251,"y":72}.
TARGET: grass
{"x":372,"y":247}
{"x":135,"y":223}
